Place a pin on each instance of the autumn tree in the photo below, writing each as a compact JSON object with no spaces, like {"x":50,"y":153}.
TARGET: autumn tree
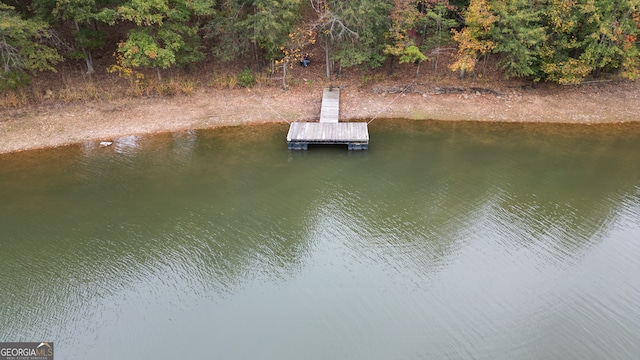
{"x":608,"y":31}
{"x":293,"y":50}
{"x":402,"y":33}
{"x":474,"y":39}
{"x":590,"y":36}
{"x":404,"y":20}
{"x":630,"y":67}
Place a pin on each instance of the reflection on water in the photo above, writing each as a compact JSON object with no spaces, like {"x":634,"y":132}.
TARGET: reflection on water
{"x":444,"y":240}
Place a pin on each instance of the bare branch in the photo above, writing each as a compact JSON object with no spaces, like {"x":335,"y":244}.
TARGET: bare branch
{"x":10,"y":55}
{"x":51,"y":38}
{"x":337,"y":28}
{"x":316,"y":5}
{"x":441,"y":50}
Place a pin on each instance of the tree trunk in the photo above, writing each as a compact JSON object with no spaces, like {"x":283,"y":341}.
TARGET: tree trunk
{"x":327,"y":58}
{"x":254,"y":43}
{"x":484,"y":64}
{"x":435,"y":63}
{"x":9,"y":57}
{"x":89,"y":61}
{"x":87,"y":54}
{"x":158,"y":73}
{"x":284,"y":75}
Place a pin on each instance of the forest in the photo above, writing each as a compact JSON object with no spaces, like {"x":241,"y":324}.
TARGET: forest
{"x":559,"y":41}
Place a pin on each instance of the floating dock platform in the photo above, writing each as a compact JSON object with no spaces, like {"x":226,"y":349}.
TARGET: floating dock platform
{"x":329,"y":130}
{"x":353,"y":134}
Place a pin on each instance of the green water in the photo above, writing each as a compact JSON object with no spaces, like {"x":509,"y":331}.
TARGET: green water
{"x":442,"y":241}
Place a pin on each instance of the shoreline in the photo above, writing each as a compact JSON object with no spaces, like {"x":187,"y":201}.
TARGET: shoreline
{"x":54,"y":125}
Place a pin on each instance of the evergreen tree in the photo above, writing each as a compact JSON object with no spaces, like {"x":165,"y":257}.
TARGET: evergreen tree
{"x":239,"y":27}
{"x":21,"y":48}
{"x":166,"y":34}
{"x":270,"y":24}
{"x":436,"y":22}
{"x":366,"y":21}
{"x":518,"y":36}
{"x":84,"y":15}
{"x":229,"y":32}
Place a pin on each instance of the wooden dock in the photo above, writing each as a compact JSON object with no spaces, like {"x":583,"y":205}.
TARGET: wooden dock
{"x":328,"y":130}
{"x":330,"y":110}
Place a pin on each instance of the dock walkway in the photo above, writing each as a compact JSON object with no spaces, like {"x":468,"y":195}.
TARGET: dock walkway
{"x":329,"y":130}
{"x":330,"y":110}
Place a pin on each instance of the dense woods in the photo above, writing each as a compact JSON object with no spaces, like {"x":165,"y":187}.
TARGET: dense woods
{"x":562,"y":41}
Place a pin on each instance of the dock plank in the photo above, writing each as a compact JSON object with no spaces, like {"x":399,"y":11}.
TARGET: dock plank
{"x":339,"y":133}
{"x":330,"y":110}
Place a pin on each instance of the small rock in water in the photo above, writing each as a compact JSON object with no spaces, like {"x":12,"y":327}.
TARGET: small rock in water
{"x":106,"y":143}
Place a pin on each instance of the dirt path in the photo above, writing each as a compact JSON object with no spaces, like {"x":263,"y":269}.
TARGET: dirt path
{"x":56,"y":125}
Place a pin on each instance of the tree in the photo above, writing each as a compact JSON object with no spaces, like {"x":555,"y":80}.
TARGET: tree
{"x":83,"y":14}
{"x":367,"y":20}
{"x":609,"y":30}
{"x":589,"y":37}
{"x":412,"y":54}
{"x":474,"y":39}
{"x":331,"y":29}
{"x":228,"y":31}
{"x":402,"y":35}
{"x":165,"y":35}
{"x":631,"y":50}
{"x":435,"y":25}
{"x":20,"y":6}
{"x":21,"y":48}
{"x":239,"y":27}
{"x":293,"y":50}
{"x":270,"y":24}
{"x":518,"y":36}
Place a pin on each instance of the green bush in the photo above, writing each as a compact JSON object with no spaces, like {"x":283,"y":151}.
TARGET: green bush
{"x":13,"y":80}
{"x":246,"y":78}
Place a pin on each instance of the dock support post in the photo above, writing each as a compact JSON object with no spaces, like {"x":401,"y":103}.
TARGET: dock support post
{"x":358,"y":146}
{"x":295,"y":145}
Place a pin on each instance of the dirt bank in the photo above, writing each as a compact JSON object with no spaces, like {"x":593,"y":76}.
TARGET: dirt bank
{"x":60,"y":124}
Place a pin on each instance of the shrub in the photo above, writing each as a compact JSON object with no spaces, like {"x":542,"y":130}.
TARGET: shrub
{"x":246,"y":78}
{"x":13,"y":80}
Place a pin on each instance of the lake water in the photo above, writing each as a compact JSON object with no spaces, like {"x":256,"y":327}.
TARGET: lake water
{"x":442,"y":241}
